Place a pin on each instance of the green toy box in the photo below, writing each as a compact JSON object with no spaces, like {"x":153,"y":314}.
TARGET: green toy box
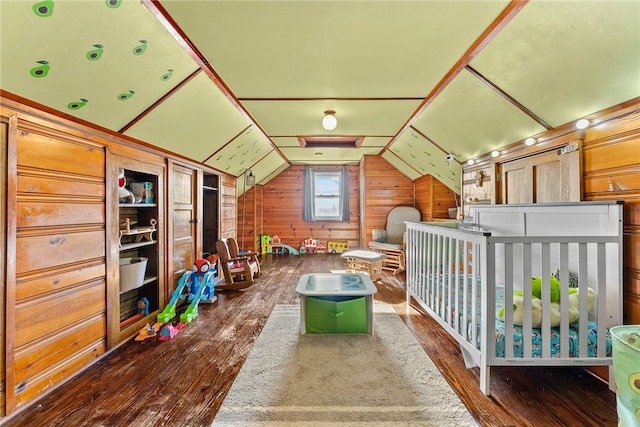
{"x":626,"y":370}
{"x":336,"y":315}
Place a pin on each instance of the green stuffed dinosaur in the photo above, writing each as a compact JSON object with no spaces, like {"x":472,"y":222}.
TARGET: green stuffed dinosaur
{"x":554,"y":307}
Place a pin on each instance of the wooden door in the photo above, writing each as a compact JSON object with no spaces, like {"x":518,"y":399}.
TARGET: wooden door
{"x":551,"y":176}
{"x":182,"y":220}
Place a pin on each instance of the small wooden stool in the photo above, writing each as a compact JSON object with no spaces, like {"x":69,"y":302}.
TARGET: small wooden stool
{"x":362,"y":261}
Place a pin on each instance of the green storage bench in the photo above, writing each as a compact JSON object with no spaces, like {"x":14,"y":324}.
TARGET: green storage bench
{"x":336,"y":303}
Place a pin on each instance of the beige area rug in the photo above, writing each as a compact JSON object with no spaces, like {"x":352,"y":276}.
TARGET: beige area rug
{"x":384,"y":379}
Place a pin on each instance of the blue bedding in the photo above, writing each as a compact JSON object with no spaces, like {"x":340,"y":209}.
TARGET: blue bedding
{"x":536,"y":338}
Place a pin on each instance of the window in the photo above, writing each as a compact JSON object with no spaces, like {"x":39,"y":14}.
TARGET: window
{"x":326,"y":195}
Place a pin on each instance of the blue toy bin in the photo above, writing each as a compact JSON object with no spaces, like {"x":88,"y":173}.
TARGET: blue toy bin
{"x":626,"y":370}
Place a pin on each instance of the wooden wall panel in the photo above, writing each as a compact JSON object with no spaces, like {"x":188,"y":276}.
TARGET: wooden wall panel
{"x":612,"y":172}
{"x":56,"y":310}
{"x":433,"y":198}
{"x":383,"y":188}
{"x":282,"y":210}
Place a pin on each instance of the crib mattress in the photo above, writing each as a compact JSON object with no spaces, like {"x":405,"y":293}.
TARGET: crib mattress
{"x":536,"y":341}
{"x":536,"y":336}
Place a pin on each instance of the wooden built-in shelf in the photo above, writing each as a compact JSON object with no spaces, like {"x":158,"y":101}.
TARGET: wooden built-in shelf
{"x":129,"y":246}
{"x":137,"y":205}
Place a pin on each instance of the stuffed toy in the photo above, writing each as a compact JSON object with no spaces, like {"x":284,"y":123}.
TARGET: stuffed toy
{"x":554,"y":306}
{"x":124,"y":195}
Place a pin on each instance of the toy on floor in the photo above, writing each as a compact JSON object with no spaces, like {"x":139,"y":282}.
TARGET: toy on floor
{"x":149,"y":331}
{"x":169,"y":331}
{"x":194,"y":286}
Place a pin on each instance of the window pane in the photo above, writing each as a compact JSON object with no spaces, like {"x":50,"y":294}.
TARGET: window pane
{"x":326,"y":195}
{"x":326,"y":183}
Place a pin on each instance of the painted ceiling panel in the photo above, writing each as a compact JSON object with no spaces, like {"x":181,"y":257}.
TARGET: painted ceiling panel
{"x":404,"y":168}
{"x":333,"y":49}
{"x":344,"y":155}
{"x":469,"y":119}
{"x":195,"y":121}
{"x":566,"y":60}
{"x":286,"y":62}
{"x":245,"y":151}
{"x":304,"y":118}
{"x":286,"y":141}
{"x":373,"y":141}
{"x":427,"y":159}
{"x":72,"y":57}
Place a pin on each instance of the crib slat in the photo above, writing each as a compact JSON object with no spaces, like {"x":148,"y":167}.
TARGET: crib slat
{"x":474,"y":294}
{"x":601,"y":290}
{"x":508,"y":299}
{"x":545,"y":327}
{"x":526,"y":289}
{"x":564,"y":309}
{"x":583,"y":349}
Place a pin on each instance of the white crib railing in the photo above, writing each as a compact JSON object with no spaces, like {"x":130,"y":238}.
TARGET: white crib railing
{"x":453,"y":273}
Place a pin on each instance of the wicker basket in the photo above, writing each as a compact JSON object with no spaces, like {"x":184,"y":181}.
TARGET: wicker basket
{"x":132,"y":273}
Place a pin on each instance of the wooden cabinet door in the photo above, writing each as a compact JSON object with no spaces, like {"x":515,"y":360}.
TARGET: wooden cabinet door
{"x":552,"y":176}
{"x":182,"y":220}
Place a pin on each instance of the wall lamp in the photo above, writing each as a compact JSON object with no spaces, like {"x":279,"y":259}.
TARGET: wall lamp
{"x":582,"y":124}
{"x":329,"y":122}
{"x":250,"y":179}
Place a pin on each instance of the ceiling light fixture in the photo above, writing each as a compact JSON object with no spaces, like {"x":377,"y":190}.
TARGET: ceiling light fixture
{"x":470,"y":161}
{"x":529,"y":141}
{"x":582,"y":124}
{"x":329,"y":122}
{"x":495,"y":153}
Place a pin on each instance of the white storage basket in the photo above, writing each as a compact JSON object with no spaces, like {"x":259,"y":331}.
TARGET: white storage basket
{"x":132,"y":272}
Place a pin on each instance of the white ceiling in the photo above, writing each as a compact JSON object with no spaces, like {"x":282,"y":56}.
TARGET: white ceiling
{"x":234,"y":84}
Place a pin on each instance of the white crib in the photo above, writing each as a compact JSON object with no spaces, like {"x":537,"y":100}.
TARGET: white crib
{"x":461,"y":273}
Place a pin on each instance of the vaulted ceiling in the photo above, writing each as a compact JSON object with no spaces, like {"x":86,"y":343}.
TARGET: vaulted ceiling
{"x":236,"y":85}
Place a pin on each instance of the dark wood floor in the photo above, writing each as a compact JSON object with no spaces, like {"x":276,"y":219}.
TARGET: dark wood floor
{"x":183,"y":381}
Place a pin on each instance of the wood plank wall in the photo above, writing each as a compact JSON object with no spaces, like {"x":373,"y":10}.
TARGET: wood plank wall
{"x":276,"y":208}
{"x":612,"y":172}
{"x":56,"y":307}
{"x":282,"y":210}
{"x":383,"y":188}
{"x":433,"y":198}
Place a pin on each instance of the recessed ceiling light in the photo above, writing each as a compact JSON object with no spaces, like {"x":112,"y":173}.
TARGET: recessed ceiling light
{"x":529,"y":141}
{"x":470,"y":161}
{"x":495,"y":153}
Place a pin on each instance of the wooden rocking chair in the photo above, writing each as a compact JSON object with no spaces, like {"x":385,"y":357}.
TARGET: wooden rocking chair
{"x":239,"y":270}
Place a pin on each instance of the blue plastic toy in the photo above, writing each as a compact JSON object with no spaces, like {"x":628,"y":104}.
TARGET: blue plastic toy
{"x":195,"y":286}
